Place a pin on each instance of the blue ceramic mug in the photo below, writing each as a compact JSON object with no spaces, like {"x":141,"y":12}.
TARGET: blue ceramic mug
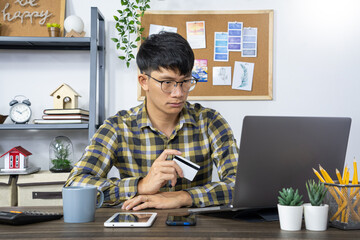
{"x":79,"y":203}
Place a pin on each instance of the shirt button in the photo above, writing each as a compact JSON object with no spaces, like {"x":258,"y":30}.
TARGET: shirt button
{"x":129,"y":194}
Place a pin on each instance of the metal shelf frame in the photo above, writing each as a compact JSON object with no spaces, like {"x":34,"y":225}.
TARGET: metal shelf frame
{"x":96,"y":45}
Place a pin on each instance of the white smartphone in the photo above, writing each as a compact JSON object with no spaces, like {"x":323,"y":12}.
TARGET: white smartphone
{"x":131,"y":219}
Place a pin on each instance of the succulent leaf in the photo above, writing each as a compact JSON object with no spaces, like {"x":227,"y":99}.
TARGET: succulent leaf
{"x":289,"y":197}
{"x":316,"y":192}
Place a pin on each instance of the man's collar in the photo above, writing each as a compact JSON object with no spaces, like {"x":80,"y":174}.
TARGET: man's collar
{"x":143,"y":119}
{"x":186,"y":117}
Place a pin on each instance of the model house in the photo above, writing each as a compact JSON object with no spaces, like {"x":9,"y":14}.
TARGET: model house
{"x":65,"y":97}
{"x":16,"y":159}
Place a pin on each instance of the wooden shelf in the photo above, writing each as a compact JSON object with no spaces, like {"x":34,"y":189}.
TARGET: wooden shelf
{"x":43,"y":126}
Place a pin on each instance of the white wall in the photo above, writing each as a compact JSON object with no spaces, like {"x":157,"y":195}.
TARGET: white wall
{"x":316,"y":59}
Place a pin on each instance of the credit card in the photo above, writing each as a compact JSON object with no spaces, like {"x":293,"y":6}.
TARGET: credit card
{"x":189,"y":168}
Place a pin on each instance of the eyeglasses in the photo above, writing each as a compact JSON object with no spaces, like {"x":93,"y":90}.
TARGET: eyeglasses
{"x":169,"y":86}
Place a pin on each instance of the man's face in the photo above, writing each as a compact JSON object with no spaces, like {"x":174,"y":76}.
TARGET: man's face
{"x":159,"y":101}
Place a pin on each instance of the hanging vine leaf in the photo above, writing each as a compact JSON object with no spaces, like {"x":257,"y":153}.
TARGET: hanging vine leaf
{"x":127,"y":24}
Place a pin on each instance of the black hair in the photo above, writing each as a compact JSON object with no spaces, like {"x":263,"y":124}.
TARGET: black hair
{"x":165,"y":50}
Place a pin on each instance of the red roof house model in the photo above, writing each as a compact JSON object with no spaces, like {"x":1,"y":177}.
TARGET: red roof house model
{"x":16,"y":159}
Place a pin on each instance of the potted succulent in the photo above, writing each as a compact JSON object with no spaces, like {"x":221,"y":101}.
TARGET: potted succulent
{"x":54,"y":29}
{"x":290,"y":209}
{"x":315,"y":212}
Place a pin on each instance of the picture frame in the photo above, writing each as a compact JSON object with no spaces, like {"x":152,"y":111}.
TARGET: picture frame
{"x":217,"y":21}
{"x":28,"y":18}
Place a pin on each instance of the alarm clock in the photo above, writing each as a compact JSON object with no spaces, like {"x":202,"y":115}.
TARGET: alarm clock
{"x":20,"y":111}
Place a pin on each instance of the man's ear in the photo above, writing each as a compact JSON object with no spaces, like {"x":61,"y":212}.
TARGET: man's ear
{"x":143,"y":81}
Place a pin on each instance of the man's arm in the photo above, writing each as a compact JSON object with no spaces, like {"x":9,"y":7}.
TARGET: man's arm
{"x":225,"y":156}
{"x":160,"y":172}
{"x":95,"y":164}
{"x":162,"y":200}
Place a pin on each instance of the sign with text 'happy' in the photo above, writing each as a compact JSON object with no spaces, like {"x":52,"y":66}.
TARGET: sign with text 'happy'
{"x":28,"y":18}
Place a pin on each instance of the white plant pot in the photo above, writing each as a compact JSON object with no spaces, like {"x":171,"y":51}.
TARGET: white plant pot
{"x":290,"y":217}
{"x":316,"y":217}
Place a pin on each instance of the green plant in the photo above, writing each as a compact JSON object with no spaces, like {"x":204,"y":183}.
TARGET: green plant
{"x":127,"y":24}
{"x":316,"y":192}
{"x":49,"y":25}
{"x":289,"y":197}
{"x":61,"y":152}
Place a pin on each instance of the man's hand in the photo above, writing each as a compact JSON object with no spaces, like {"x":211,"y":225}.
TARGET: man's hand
{"x":160,"y":200}
{"x":160,"y":172}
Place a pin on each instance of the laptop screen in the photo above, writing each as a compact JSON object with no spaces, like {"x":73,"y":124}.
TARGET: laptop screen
{"x":280,"y":152}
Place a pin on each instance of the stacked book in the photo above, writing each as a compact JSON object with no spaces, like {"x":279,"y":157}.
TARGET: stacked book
{"x":62,"y":116}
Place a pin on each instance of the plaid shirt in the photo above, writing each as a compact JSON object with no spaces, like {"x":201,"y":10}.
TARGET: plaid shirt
{"x":129,"y":142}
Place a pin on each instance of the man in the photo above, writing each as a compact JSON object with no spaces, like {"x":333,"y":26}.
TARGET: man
{"x":141,"y":142}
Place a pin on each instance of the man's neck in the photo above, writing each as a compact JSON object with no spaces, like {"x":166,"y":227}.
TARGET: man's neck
{"x":163,"y":122}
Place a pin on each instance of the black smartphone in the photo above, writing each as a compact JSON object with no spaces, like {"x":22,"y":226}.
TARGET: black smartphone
{"x":175,"y":219}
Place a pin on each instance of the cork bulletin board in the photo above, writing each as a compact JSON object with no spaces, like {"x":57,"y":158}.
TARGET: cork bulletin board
{"x":217,"y":21}
{"x":28,"y":18}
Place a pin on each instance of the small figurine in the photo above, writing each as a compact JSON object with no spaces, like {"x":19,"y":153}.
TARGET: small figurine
{"x":74,"y":26}
{"x":65,"y":97}
{"x":16,"y":159}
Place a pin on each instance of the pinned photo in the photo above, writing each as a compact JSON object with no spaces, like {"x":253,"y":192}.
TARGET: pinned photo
{"x":221,"y":52}
{"x":235,"y":30}
{"x":243,"y":76}
{"x":249,"y":42}
{"x":221,"y":75}
{"x":195,"y":32}
{"x":200,"y":68}
{"x":154,"y":29}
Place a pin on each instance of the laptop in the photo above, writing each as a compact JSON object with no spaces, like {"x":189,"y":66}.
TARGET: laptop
{"x":280,"y":152}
